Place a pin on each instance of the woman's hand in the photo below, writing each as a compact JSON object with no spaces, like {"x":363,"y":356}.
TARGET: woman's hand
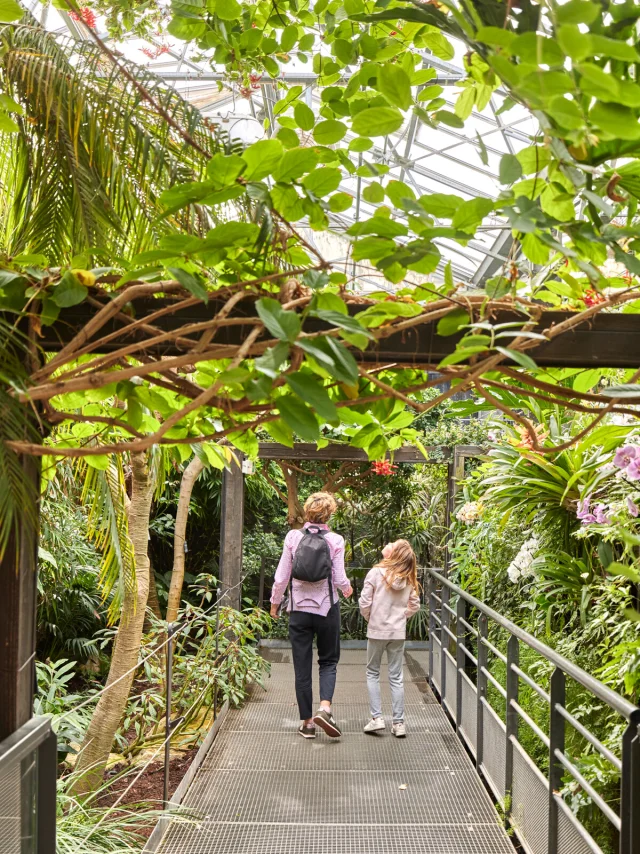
{"x":274,"y":610}
{"x":348,"y":592}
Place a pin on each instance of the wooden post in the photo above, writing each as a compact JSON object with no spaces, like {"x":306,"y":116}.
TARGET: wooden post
{"x":18,"y":582}
{"x":231,"y":529}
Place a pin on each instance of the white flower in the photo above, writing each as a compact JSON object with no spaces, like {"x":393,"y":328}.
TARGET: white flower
{"x":520,"y":566}
{"x":469,"y":512}
{"x":612,"y":269}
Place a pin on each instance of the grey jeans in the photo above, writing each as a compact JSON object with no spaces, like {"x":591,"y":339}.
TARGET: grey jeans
{"x":395,"y":655}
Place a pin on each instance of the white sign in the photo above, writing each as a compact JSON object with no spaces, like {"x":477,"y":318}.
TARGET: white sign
{"x":247,"y":467}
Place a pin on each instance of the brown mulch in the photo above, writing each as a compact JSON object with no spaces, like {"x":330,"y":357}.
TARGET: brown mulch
{"x":150,"y":786}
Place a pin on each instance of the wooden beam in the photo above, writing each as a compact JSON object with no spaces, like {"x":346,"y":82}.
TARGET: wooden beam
{"x":308,"y":451}
{"x":607,"y":341}
{"x":231,"y":531}
{"x":18,"y":582}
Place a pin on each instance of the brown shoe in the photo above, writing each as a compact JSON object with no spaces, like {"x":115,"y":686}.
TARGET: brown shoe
{"x":307,"y":731}
{"x":326,"y":721}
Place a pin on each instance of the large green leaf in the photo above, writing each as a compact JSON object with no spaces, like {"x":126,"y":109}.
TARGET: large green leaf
{"x":308,"y":389}
{"x":377,"y":121}
{"x":280,"y":323}
{"x":262,"y":158}
{"x":299,"y":417}
{"x":394,"y":84}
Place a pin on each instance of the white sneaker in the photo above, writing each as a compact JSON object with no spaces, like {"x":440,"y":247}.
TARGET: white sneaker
{"x":399,"y":730}
{"x":375,"y":725}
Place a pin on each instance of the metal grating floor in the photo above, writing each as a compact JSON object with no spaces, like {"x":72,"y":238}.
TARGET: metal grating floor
{"x":264,"y":790}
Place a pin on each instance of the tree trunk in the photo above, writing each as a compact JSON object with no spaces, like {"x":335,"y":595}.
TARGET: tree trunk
{"x":107,"y":716}
{"x":189,"y":478}
{"x":153,"y":603}
{"x":295,"y":513}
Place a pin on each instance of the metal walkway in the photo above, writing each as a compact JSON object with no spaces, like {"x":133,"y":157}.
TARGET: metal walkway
{"x":264,"y":790}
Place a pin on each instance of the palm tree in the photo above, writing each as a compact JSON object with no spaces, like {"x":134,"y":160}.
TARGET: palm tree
{"x":91,"y":156}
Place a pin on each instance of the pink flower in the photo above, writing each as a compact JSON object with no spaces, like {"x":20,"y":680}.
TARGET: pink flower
{"x":633,"y":470}
{"x":600,"y":513}
{"x":632,"y":507}
{"x":625,"y":456}
{"x":583,"y":508}
{"x":586,"y":520}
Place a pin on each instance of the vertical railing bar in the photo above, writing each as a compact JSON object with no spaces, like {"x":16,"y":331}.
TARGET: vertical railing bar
{"x":432,"y":624}
{"x":215,"y":687}
{"x":444,"y":642}
{"x":171,"y":628}
{"x":47,"y":768}
{"x":263,"y":564}
{"x":630,"y":788}
{"x":556,"y":742}
{"x":461,"y":611}
{"x":512,"y":717}
{"x":481,"y":683}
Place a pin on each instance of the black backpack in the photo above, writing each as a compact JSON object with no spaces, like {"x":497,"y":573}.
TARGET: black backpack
{"x":312,"y":560}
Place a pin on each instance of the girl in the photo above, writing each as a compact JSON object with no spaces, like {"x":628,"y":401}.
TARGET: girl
{"x":389,"y":596}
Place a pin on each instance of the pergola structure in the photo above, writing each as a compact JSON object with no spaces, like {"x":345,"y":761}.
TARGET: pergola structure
{"x":232,"y":518}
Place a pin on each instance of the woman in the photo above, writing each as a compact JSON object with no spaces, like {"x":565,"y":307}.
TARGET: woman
{"x":389,"y":596}
{"x":313,"y":608}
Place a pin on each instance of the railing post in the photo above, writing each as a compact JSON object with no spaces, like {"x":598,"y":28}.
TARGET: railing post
{"x":444,"y":640}
{"x":215,"y":688}
{"x":630,"y":789}
{"x":171,"y":629}
{"x":263,"y":561}
{"x":461,"y":613}
{"x":432,"y":622}
{"x":46,"y":795}
{"x":481,"y":683}
{"x":556,"y":742}
{"x":513,"y":684}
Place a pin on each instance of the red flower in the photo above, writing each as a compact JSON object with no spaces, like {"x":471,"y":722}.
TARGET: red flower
{"x":383,"y":467}
{"x":86,"y":15}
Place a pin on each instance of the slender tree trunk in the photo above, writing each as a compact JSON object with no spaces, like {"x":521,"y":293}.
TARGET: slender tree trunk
{"x":189,"y":478}
{"x":295,"y":513}
{"x":153,"y":603}
{"x":106,"y":718}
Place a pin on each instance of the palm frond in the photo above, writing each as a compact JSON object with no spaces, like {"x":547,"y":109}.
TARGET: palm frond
{"x":104,"y":492}
{"x":92,"y":156}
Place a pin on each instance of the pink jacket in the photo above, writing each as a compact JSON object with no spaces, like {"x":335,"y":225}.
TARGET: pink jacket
{"x":386,"y":609}
{"x":307,"y":596}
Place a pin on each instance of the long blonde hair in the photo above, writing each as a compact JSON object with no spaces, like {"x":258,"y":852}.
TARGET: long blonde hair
{"x":401,"y":563}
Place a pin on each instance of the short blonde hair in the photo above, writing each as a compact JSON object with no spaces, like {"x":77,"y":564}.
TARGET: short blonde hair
{"x":319,"y":507}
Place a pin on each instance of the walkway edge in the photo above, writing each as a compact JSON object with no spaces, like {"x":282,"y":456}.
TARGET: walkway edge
{"x":153,"y":843}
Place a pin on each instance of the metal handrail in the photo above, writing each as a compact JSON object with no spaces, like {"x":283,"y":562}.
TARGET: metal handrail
{"x":33,"y":742}
{"x":478,"y":678}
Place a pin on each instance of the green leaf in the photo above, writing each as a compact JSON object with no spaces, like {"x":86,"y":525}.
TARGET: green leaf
{"x":534,"y":249}
{"x":449,"y":119}
{"x":586,"y":380}
{"x":184,"y":28}
{"x":615,"y":121}
{"x":465,"y":102}
{"x":228,"y":10}
{"x":332,"y":356}
{"x":533,"y":159}
{"x":470,"y":214}
{"x":622,"y":391}
{"x":519,"y":358}
{"x":566,"y":113}
{"x":441,"y":205}
{"x":9,"y":105}
{"x":272,"y":360}
{"x":280,"y":323}
{"x":323,"y":181}
{"x":224,"y":169}
{"x":69,"y":291}
{"x":510,"y":169}
{"x":453,"y":322}
{"x":624,"y":570}
{"x":295,"y":163}
{"x":262,"y":158}
{"x":329,"y":132}
{"x":361,"y":143}
{"x":304,"y":116}
{"x":289,"y":38}
{"x":577,"y":12}
{"x":280,"y":432}
{"x":497,"y":36}
{"x":309,"y":389}
{"x":374,"y":193}
{"x":394,"y":84}
{"x":7,"y":124}
{"x":190,"y":282}
{"x":299,"y":417}
{"x":377,"y":121}
{"x":100,"y":462}
{"x":343,"y":321}
{"x":340,"y":202}
{"x":10,"y":11}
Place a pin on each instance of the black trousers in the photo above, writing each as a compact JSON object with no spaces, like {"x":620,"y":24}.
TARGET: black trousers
{"x":303,"y":627}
